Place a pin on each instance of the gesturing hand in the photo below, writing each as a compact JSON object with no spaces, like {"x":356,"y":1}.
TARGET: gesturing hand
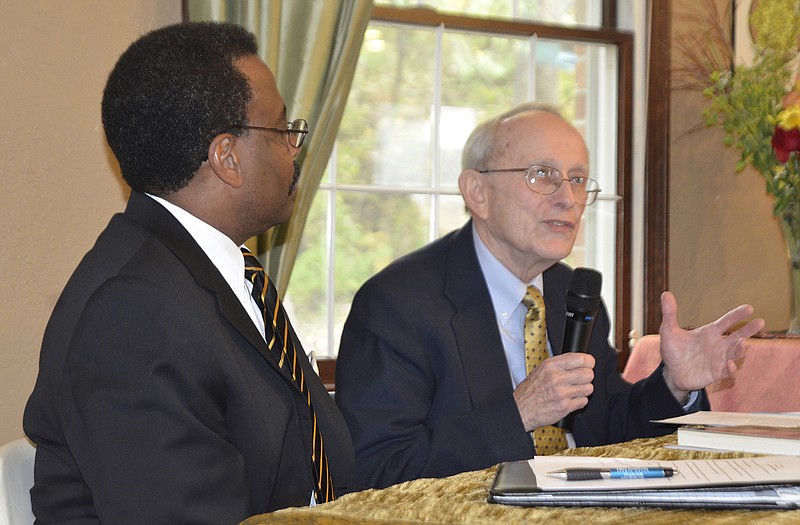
{"x":693,"y":359}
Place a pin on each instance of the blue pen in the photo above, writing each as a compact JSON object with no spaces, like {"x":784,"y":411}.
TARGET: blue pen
{"x":584,"y":474}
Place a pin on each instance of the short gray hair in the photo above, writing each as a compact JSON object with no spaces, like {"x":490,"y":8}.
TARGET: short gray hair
{"x":480,"y":146}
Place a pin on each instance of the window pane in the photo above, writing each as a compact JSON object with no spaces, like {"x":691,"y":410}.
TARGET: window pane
{"x":307,"y":299}
{"x":562,"y":12}
{"x":370,"y":229}
{"x":386,"y":127}
{"x":452,"y":214}
{"x":373,"y":229}
{"x":455,"y":125}
{"x":481,"y":76}
{"x":595,"y":247}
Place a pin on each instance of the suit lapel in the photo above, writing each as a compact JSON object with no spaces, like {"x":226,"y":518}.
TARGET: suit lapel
{"x":474,"y":325}
{"x":163,"y":225}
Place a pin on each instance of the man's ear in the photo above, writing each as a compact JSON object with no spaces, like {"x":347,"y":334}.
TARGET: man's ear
{"x":224,"y":159}
{"x":473,"y":190}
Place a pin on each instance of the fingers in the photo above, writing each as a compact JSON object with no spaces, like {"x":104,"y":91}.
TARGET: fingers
{"x":571,"y":360}
{"x":738,"y":350}
{"x":558,"y":386}
{"x":669,"y":318}
{"x":750,"y":329}
{"x":731,"y":367}
{"x":740,"y":313}
{"x":669,"y":312}
{"x":562,"y":370}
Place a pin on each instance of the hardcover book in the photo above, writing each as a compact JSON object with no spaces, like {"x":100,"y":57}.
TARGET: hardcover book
{"x":755,"y":439}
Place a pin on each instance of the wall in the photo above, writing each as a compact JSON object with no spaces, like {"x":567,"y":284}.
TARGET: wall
{"x":725,"y":248}
{"x":60,"y":183}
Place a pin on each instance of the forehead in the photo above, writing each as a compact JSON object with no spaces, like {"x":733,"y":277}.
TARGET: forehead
{"x":266,"y":106}
{"x":541,"y":136}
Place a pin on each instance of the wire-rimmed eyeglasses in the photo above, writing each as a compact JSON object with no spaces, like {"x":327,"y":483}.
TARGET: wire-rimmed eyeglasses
{"x":295,"y":131}
{"x":545,"y":180}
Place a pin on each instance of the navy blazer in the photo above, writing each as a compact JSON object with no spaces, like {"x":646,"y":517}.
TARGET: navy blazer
{"x":423,"y":381}
{"x":157,"y":400}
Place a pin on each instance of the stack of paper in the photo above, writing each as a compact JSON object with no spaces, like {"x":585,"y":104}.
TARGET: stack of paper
{"x":770,"y":482}
{"x":742,"y":432}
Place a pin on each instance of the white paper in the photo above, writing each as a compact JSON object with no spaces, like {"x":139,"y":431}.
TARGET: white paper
{"x":691,"y":472}
{"x":727,"y":419}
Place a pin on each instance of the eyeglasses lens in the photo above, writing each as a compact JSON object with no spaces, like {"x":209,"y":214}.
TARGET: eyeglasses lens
{"x":546,"y":181}
{"x":298,"y":129}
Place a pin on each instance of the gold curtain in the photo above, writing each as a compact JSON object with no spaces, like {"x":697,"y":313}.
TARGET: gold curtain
{"x":312,"y":47}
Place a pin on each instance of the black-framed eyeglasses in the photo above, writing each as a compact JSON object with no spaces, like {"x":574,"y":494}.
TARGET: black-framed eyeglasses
{"x":295,"y":131}
{"x":545,"y":180}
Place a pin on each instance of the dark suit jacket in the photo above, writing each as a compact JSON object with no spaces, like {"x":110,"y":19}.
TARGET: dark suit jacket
{"x":424,"y":385}
{"x":157,"y":400}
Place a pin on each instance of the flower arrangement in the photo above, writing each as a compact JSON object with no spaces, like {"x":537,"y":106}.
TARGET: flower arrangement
{"x":756,"y":105}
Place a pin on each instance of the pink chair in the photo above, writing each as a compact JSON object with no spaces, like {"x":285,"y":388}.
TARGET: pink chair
{"x":768,"y":379}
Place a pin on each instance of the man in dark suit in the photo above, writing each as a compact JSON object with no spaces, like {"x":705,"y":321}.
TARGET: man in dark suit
{"x":431,"y":374}
{"x":158,"y":399}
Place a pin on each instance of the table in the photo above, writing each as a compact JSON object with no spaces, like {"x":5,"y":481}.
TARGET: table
{"x":766,"y":379}
{"x":461,"y":499}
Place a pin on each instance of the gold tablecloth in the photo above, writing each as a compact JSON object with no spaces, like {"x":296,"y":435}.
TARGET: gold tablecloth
{"x":462,"y":499}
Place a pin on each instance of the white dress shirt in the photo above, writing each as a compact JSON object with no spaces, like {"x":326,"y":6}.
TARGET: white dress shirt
{"x":507,"y":292}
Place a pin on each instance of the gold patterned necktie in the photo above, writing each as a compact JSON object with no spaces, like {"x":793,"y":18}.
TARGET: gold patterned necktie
{"x":279,"y":341}
{"x":547,"y":440}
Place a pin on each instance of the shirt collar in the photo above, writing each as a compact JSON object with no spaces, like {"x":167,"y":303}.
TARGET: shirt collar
{"x":505,"y":288}
{"x":222,"y":251}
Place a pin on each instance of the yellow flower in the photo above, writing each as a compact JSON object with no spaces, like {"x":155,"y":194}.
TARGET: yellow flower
{"x":789,"y":118}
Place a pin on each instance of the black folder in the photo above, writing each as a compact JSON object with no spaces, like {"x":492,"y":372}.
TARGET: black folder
{"x":516,"y":484}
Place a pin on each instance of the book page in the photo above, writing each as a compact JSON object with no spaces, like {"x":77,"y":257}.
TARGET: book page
{"x":788,"y":420}
{"x":691,"y":472}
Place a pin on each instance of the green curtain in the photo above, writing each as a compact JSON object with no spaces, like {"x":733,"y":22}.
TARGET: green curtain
{"x":312,"y":47}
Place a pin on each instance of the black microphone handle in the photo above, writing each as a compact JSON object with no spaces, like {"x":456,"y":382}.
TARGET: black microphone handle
{"x":582,"y":304}
{"x":576,"y":339}
{"x":576,"y":336}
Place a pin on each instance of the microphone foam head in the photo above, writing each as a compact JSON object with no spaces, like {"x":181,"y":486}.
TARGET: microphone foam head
{"x":586,"y":282}
{"x":583,"y":293}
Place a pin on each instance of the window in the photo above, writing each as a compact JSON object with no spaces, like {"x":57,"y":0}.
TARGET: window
{"x":423,"y":81}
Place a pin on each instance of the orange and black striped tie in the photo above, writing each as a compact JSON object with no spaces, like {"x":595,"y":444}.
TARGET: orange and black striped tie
{"x":281,"y":345}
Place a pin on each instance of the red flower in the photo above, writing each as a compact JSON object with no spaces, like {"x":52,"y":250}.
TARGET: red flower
{"x":784,"y":142}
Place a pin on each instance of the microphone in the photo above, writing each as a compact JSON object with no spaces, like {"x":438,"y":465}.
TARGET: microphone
{"x":583,"y":302}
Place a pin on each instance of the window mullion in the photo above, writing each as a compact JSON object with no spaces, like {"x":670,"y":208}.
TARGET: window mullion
{"x":436,"y":156}
{"x":532,"y":41}
{"x":330,"y":235}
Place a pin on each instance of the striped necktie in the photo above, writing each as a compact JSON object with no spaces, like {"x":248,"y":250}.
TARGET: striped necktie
{"x":547,"y":440}
{"x":281,"y":345}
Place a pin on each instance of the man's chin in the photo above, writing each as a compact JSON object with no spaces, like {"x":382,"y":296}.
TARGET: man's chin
{"x":559,"y":254}
{"x":289,"y":210}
